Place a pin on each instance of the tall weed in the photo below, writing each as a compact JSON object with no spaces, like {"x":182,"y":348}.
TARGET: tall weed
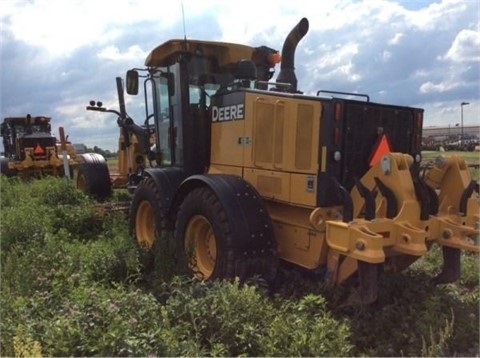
{"x":70,"y":283}
{"x":88,"y":320}
{"x":232,"y":319}
{"x":12,"y":191}
{"x":23,"y":225}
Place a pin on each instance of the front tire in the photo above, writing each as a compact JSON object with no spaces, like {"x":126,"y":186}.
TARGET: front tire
{"x":146,"y":219}
{"x":149,"y":227}
{"x":94,"y":179}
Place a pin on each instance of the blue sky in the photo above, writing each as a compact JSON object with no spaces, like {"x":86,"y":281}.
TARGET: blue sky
{"x":57,"y":55}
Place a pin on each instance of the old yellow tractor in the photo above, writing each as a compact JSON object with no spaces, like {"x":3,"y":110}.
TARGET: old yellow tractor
{"x":32,"y":150}
{"x":251,"y":171}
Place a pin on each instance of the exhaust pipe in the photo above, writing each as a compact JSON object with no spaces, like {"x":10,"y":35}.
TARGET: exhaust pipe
{"x":287,"y":68}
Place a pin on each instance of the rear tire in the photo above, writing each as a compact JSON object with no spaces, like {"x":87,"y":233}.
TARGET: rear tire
{"x":94,"y":179}
{"x":203,"y":236}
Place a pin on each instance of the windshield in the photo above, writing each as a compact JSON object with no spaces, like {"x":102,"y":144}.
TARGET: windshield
{"x":164,"y":125}
{"x":181,"y":96}
{"x":21,"y":129}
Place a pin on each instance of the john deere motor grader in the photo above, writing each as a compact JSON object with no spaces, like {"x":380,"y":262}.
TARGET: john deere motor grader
{"x":32,"y":150}
{"x":250,"y":172}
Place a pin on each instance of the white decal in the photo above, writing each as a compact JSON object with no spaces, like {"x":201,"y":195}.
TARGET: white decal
{"x":227,"y":113}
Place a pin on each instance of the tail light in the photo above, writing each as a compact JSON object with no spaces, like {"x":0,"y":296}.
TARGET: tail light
{"x":338,"y":112}
{"x":337,"y":116}
{"x":419,"y":120}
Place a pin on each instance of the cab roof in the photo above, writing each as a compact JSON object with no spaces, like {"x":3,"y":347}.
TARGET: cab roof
{"x":224,"y":52}
{"x":25,"y":120}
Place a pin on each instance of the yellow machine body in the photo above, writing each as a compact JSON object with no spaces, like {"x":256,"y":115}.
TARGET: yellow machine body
{"x":272,"y":141}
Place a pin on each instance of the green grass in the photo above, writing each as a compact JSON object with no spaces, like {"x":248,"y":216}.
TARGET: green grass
{"x":472,"y":159}
{"x":72,"y":284}
{"x":112,"y":163}
{"x":469,"y":156}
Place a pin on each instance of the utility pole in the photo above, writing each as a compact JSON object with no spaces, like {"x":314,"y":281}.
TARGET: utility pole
{"x":461,"y":121}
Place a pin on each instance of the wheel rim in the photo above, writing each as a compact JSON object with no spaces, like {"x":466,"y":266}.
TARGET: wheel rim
{"x":200,"y":246}
{"x":145,"y":225}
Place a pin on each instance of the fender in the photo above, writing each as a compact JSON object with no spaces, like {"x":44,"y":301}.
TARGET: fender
{"x":168,"y":180}
{"x":247,"y":215}
{"x":93,"y":158}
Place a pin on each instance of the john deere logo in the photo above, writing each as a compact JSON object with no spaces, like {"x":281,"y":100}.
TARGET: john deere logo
{"x":227,"y":113}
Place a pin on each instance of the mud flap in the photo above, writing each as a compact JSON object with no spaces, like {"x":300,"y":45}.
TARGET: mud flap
{"x":451,"y":266}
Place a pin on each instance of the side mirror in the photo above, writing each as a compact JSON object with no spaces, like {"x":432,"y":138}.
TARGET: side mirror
{"x":132,"y":82}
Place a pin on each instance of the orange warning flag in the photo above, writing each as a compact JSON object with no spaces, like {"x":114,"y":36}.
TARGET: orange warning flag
{"x":382,"y":147}
{"x":38,"y":149}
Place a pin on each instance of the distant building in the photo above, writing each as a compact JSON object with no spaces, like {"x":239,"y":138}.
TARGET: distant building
{"x":450,"y":138}
{"x":451,"y":131}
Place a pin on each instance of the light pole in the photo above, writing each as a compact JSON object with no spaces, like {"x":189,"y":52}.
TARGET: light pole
{"x":461,"y":129}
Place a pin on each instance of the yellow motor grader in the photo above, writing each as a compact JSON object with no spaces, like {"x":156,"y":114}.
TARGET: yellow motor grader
{"x":32,"y":150}
{"x":251,"y":171}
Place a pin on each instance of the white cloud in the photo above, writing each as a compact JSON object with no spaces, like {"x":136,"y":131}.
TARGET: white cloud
{"x":69,"y":109}
{"x":58,"y":26}
{"x":63,"y":26}
{"x":337,"y":55}
{"x":420,"y":73}
{"x":58,"y":54}
{"x":395,"y":40}
{"x":113,"y":53}
{"x":350,"y":73}
{"x":92,"y":121}
{"x":465,"y":47}
{"x":437,"y":16}
{"x":386,"y":55}
{"x":444,"y":86}
{"x":448,"y":113}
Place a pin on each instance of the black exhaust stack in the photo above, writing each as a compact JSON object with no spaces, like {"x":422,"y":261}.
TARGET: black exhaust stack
{"x":287,"y":68}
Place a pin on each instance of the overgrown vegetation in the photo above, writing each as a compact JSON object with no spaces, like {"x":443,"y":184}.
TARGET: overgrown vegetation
{"x":73,"y":284}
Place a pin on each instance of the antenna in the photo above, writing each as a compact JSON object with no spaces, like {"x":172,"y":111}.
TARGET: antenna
{"x":184,"y":30}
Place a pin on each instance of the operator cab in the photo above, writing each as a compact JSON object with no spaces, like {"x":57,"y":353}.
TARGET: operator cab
{"x":182,"y":76}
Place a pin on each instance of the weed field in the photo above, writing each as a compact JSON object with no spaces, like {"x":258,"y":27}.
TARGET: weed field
{"x":73,"y":283}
